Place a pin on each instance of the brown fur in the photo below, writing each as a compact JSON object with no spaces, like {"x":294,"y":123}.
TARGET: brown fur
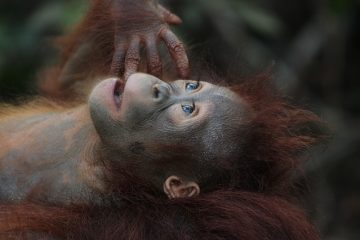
{"x":86,"y":53}
{"x":248,"y":198}
{"x":225,"y":214}
{"x":38,"y":105}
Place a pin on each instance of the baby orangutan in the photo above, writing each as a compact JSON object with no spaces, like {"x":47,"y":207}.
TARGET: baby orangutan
{"x":146,"y":126}
{"x":154,"y":160}
{"x":147,"y":159}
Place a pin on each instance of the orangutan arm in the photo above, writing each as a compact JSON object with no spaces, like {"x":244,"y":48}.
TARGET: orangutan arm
{"x":108,"y":43}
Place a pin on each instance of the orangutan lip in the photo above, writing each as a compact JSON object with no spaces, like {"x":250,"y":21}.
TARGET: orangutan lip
{"x":118,"y":90}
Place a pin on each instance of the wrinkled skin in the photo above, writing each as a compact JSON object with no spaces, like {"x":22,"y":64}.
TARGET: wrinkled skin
{"x":130,"y":127}
{"x":154,"y":113}
{"x":148,"y":29}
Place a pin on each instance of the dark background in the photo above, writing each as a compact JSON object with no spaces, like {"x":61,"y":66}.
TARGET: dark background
{"x":312,"y":46}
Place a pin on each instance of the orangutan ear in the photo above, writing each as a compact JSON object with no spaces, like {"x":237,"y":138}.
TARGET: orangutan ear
{"x":175,"y":187}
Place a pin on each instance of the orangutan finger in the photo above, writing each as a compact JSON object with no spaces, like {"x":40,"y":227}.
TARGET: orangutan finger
{"x":132,"y":59}
{"x":177,"y":52}
{"x":118,"y":61}
{"x":169,"y":17}
{"x":154,"y":64}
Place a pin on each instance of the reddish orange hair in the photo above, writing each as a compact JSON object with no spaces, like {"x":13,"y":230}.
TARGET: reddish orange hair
{"x":253,"y":202}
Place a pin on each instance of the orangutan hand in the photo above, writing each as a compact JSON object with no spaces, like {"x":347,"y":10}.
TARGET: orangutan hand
{"x":144,"y":23}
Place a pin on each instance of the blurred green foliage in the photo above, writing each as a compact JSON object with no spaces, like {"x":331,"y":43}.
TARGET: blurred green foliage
{"x":27,"y":29}
{"x":339,"y":6}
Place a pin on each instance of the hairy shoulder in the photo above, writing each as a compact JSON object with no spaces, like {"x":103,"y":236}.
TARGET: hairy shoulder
{"x":37,"y":105}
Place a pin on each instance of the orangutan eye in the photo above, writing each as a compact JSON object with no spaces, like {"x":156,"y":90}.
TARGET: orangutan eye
{"x":190,"y":86}
{"x":188,"y":109}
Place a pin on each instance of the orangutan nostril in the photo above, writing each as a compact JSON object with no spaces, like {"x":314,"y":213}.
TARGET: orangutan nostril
{"x":156,"y":92}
